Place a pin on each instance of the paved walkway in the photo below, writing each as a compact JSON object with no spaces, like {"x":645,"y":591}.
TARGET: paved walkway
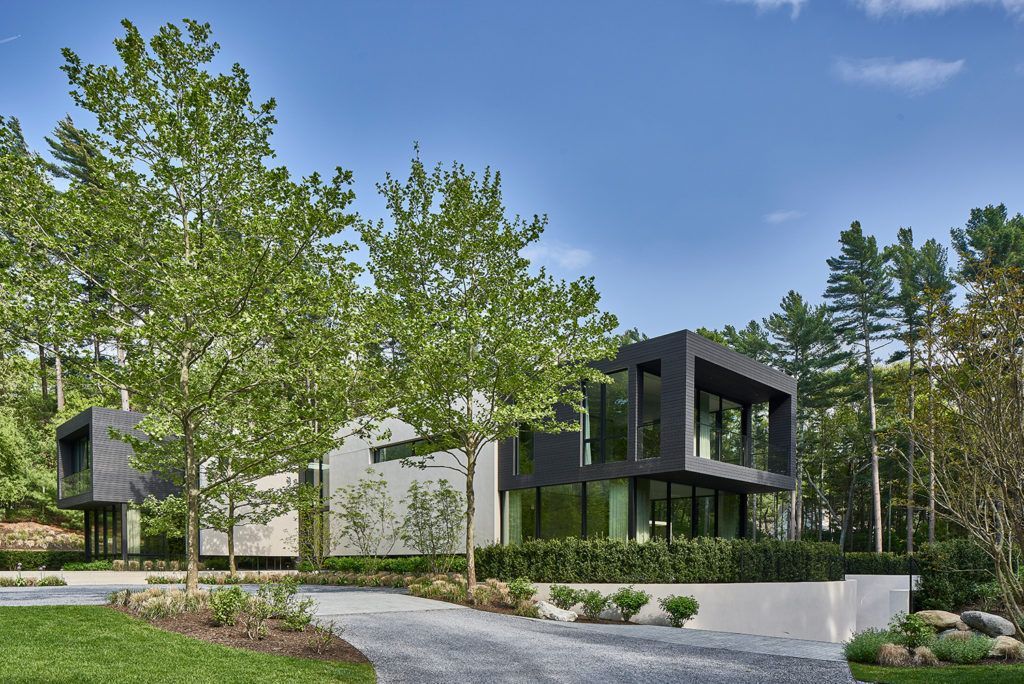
{"x":410,"y":639}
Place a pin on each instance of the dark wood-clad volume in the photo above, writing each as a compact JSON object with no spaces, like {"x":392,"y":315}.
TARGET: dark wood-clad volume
{"x":688,"y":363}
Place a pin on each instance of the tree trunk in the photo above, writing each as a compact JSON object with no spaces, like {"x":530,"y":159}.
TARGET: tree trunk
{"x":192,"y":502}
{"x":121,"y":361}
{"x":44,"y":384}
{"x":231,"y":535}
{"x":848,"y":516}
{"x":911,"y":453}
{"x":931,"y":448}
{"x":470,"y":520}
{"x":97,"y":354}
{"x":876,"y":489}
{"x":59,"y":382}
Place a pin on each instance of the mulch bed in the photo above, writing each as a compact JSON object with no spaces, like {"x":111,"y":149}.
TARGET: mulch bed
{"x":277,"y":642}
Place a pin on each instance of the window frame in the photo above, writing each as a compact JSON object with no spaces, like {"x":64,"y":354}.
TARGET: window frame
{"x":599,"y":455}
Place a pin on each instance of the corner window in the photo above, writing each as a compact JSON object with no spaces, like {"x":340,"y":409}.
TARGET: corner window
{"x":719,"y":429}
{"x":650,"y":415}
{"x":524,"y":452}
{"x":604,"y":419}
{"x":400,"y":450}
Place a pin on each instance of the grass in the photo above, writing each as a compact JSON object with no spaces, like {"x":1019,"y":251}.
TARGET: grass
{"x":951,"y":674}
{"x":96,"y":644}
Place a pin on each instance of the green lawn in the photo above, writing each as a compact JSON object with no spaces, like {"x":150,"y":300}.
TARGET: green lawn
{"x":96,"y":644}
{"x":952,"y":674}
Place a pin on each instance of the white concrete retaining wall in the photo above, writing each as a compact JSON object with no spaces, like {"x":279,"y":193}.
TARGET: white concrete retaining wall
{"x":819,"y":611}
{"x":879,"y":597}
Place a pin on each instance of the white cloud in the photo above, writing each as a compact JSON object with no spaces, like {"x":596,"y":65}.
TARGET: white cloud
{"x":879,"y":8}
{"x":8,"y":39}
{"x":766,"y":5}
{"x":914,"y":76}
{"x":557,"y":254}
{"x":783,"y":215}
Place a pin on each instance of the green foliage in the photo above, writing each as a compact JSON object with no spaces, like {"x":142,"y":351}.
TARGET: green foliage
{"x":990,"y":238}
{"x":31,"y":560}
{"x":51,"y":581}
{"x":452,"y":589}
{"x":630,"y":601}
{"x":954,"y":574}
{"x":403,"y":564}
{"x":256,"y":616}
{"x":521,"y":589}
{"x":962,"y":651}
{"x":29,"y":581}
{"x":680,"y":609}
{"x":299,"y":615}
{"x":863,"y":647}
{"x":365,"y":513}
{"x":564,"y":597}
{"x":91,"y":565}
{"x":871,"y":563}
{"x":227,"y":604}
{"x":911,"y":631}
{"x":594,"y":603}
{"x":701,"y":560}
{"x":434,"y":522}
{"x":280,"y":596}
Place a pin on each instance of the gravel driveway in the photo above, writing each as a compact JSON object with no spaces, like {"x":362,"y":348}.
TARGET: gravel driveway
{"x":409,"y":639}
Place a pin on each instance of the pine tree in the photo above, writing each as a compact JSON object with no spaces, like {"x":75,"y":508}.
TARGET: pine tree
{"x":77,"y":153}
{"x":860,"y":290}
{"x":990,"y":238}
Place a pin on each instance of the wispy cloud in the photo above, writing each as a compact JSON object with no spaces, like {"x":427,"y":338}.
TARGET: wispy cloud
{"x":879,"y":8}
{"x":766,"y":5}
{"x":913,"y":77}
{"x":783,"y":215}
{"x":557,"y":254}
{"x":8,"y":39}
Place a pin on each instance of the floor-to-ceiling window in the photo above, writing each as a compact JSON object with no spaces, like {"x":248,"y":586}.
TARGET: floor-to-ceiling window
{"x":561,"y":511}
{"x":606,"y":406}
{"x":520,"y":515}
{"x":607,"y":504}
{"x":729,"y":514}
{"x":704,"y":512}
{"x":650,"y":414}
{"x":682,"y":511}
{"x":78,"y":469}
{"x":719,"y":429}
{"x":524,"y":452}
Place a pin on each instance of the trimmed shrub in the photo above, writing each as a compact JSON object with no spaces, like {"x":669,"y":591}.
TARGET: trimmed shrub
{"x":91,"y":565}
{"x":870,"y":563}
{"x":564,"y":597}
{"x":521,"y":589}
{"x":401,"y":564}
{"x":51,"y":581}
{"x":46,"y":581}
{"x":864,"y":646}
{"x":910,"y":630}
{"x":227,"y":604}
{"x":701,"y":560}
{"x":680,"y":609}
{"x":31,"y":560}
{"x":954,"y":574}
{"x":630,"y":601}
{"x":594,"y":603}
{"x":962,"y":651}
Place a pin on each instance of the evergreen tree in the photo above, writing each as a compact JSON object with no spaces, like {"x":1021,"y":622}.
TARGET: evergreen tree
{"x":989,"y":239}
{"x":77,"y":153}
{"x":859,"y":291}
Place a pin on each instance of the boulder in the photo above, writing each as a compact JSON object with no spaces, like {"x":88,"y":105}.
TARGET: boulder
{"x":1008,"y":648}
{"x":962,"y":626}
{"x":939,"y":619}
{"x":549,"y":611}
{"x":990,"y":624}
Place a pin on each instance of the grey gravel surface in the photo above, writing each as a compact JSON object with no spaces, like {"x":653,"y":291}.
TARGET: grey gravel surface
{"x":414,"y":640}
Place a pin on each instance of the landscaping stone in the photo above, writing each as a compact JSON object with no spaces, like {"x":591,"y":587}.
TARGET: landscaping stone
{"x":990,"y":624}
{"x":939,"y":619}
{"x":962,"y":626}
{"x":550,"y":611}
{"x":1007,"y":647}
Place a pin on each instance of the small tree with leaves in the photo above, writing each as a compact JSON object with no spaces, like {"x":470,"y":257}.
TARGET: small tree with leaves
{"x":480,"y":344}
{"x":365,"y":516}
{"x":434,"y":522}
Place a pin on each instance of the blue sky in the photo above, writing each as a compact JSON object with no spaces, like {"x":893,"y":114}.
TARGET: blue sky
{"x":698,"y":157}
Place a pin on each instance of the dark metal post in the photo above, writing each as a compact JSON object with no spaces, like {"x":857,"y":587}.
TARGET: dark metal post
{"x":124,"y":533}
{"x":88,"y":534}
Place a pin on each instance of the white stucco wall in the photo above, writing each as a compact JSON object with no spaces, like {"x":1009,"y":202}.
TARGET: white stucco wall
{"x":879,"y":597}
{"x":276,"y":538}
{"x":819,"y":611}
{"x":349,"y":463}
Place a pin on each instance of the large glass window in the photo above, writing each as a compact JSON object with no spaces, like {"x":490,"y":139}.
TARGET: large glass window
{"x":520,"y":515}
{"x":705,"y":511}
{"x":759,"y":435}
{"x":561,"y":511}
{"x":524,"y":452}
{"x":604,"y":419}
{"x":719,"y":429}
{"x":650,"y":415}
{"x":728,"y":515}
{"x":78,"y":473}
{"x":608,"y":509}
{"x":682,"y":511}
{"x":394,"y":452}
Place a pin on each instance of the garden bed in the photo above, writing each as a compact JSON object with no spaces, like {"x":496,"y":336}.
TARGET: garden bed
{"x":279,"y":641}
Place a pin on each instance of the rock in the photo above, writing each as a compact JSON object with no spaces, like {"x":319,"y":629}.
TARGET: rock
{"x":1008,"y":648}
{"x":990,"y":624}
{"x":962,"y":626}
{"x":550,"y":611}
{"x":939,"y":619}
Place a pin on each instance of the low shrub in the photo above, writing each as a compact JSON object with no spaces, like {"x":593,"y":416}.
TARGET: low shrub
{"x":564,"y":597}
{"x":680,"y":609}
{"x":871,"y":563}
{"x":164,"y":579}
{"x":925,"y":657}
{"x":911,"y":631}
{"x":700,"y":560}
{"x":257,"y":613}
{"x":492,"y":593}
{"x":630,"y":601}
{"x":299,"y":615}
{"x":864,"y":646}
{"x":51,"y":581}
{"x":400,"y":564}
{"x":449,"y":589}
{"x":527,"y":609}
{"x":154,"y":603}
{"x":954,"y":574}
{"x":21,"y":581}
{"x":521,"y":589}
{"x":33,"y":560}
{"x":593,"y":603}
{"x":91,"y":565}
{"x":227,"y":604}
{"x":962,"y":651}
{"x":322,"y":635}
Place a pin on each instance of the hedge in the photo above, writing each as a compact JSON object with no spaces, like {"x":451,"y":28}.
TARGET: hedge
{"x":701,"y":560}
{"x":871,"y":563}
{"x":954,"y":574}
{"x":398,"y":564}
{"x":30,"y":560}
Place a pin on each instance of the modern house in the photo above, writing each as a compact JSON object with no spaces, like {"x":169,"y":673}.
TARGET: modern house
{"x":669,"y":448}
